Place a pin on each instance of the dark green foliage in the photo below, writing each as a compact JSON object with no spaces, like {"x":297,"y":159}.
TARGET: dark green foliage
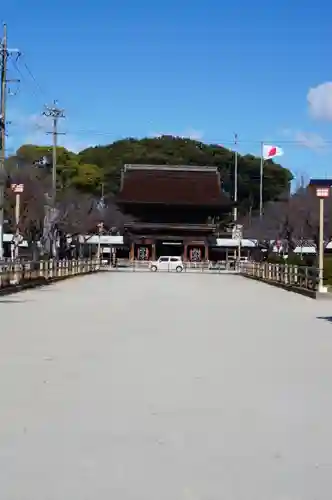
{"x":328,"y":270}
{"x":178,"y":151}
{"x":89,"y":168}
{"x":276,"y":259}
{"x":293,"y":259}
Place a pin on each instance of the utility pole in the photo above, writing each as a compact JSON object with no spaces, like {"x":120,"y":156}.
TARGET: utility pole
{"x":5,"y":53}
{"x":261,"y":181}
{"x":3,"y":62}
{"x":54,"y":113}
{"x":235,"y":179}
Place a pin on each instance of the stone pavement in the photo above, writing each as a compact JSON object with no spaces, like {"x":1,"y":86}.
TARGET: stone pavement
{"x":124,"y":386}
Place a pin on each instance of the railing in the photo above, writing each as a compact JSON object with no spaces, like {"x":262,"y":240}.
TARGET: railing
{"x":287,"y":275}
{"x":172,"y":225}
{"x":21,"y":273}
{"x":205,"y":266}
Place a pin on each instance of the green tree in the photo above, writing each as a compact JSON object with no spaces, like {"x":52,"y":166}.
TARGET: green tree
{"x":179,"y":151}
{"x":72,"y":170}
{"x":87,"y":170}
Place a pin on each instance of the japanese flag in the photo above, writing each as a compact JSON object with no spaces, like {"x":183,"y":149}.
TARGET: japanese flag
{"x":271,"y":152}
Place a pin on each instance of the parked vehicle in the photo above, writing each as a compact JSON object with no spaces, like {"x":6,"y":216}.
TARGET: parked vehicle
{"x":166,"y":263}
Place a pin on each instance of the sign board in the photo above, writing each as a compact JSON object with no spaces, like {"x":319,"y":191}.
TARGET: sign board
{"x":237,"y":232}
{"x":18,"y":238}
{"x":17,"y":188}
{"x":322,"y":192}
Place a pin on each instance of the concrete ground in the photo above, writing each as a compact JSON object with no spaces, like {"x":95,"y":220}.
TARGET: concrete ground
{"x":165,"y":387}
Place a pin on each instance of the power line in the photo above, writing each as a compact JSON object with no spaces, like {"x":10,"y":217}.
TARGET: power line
{"x":220,"y":143}
{"x":230,"y":142}
{"x":36,"y":88}
{"x":40,"y":89}
{"x":23,"y":78}
{"x":226,"y":142}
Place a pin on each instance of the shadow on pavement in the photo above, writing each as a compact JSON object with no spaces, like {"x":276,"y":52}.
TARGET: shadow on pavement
{"x":326,"y":318}
{"x":14,"y":301}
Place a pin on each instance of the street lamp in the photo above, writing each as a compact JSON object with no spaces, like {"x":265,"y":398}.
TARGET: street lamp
{"x":100,"y":232}
{"x":322,"y":188}
{"x":237,"y":234}
{"x":18,"y":190}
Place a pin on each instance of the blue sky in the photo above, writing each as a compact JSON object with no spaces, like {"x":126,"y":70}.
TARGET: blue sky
{"x":206,"y":69}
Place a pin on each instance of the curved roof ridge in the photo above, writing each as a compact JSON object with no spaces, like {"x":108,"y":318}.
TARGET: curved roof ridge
{"x":184,"y":168}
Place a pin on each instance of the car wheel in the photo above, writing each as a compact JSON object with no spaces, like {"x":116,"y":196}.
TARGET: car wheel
{"x":179,"y":269}
{"x":153,"y":269}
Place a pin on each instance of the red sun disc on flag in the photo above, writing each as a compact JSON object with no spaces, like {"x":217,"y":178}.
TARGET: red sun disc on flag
{"x":272,"y":152}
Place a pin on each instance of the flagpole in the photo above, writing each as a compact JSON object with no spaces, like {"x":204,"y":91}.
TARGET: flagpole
{"x":261,"y":174}
{"x":235,"y":179}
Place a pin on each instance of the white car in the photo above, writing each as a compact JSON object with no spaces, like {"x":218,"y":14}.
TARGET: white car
{"x":167,"y":264}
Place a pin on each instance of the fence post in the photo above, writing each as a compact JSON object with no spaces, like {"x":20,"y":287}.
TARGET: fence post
{"x":316,"y":278}
{"x":306,"y":277}
{"x":286,"y":275}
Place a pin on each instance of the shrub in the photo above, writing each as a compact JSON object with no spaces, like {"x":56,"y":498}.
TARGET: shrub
{"x":328,"y":270}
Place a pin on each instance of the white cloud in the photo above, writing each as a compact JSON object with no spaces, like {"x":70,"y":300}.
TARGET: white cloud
{"x":70,"y":142}
{"x":33,"y":129}
{"x":320,"y":101}
{"x":196,"y":135}
{"x":309,"y":140}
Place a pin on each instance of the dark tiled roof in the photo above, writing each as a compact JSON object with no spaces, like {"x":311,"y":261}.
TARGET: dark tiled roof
{"x":172,"y":185}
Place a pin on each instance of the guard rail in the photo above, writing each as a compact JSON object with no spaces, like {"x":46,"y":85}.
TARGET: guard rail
{"x":288,"y":276}
{"x":23,"y":273}
{"x":205,"y":266}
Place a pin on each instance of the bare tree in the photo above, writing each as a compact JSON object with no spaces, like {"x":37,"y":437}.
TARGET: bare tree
{"x":292,"y":220}
{"x":112,"y":216}
{"x":308,"y":214}
{"x":32,"y":203}
{"x":76,"y":212}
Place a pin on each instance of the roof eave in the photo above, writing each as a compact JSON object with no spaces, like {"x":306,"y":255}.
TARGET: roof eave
{"x":174,"y":203}
{"x":171,"y":168}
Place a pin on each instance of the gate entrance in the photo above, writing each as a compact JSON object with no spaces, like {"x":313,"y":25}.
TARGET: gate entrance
{"x":170,"y":248}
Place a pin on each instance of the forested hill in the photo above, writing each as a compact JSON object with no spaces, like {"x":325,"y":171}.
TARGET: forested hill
{"x":91,"y":167}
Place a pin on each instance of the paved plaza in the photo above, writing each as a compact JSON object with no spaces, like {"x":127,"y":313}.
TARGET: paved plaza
{"x":150,"y":386}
